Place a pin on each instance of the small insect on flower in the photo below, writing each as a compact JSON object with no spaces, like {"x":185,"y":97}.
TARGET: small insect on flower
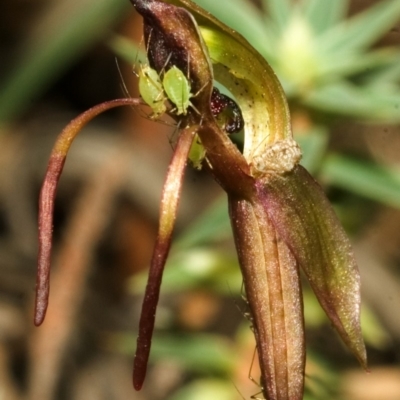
{"x":174,"y":87}
{"x":178,"y":90}
{"x":151,"y":90}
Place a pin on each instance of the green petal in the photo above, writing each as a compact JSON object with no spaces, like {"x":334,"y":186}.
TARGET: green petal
{"x":306,"y":221}
{"x":239,"y":67}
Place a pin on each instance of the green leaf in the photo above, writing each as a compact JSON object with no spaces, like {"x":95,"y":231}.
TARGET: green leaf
{"x":373,"y":181}
{"x":374,"y":332}
{"x":203,"y":353}
{"x":368,"y":103}
{"x":313,"y":143}
{"x":128,"y":50}
{"x":388,"y":75}
{"x":362,"y":30}
{"x":213,"y":224}
{"x":280,"y":12}
{"x":201,"y":268}
{"x":333,"y":66}
{"x":307,"y":223}
{"x":323,"y":15}
{"x":207,"y":389}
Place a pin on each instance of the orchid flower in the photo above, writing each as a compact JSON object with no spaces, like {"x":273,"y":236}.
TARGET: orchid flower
{"x":280,"y":217}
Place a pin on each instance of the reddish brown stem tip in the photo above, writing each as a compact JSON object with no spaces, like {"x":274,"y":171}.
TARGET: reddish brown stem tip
{"x":46,"y":207}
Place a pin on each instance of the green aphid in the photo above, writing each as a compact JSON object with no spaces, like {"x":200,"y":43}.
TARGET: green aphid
{"x":151,"y":90}
{"x":178,"y":90}
{"x":197,"y":153}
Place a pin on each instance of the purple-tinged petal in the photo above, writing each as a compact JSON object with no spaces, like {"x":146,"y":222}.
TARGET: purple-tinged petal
{"x":173,"y":38}
{"x":305,"y":220}
{"x":272,"y":284}
{"x":168,"y":209}
{"x":47,"y":198}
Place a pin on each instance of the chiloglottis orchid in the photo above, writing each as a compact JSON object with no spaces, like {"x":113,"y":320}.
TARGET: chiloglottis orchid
{"x":280,"y":217}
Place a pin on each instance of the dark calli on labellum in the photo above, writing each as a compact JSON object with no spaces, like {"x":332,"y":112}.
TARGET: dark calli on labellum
{"x":280,"y":217}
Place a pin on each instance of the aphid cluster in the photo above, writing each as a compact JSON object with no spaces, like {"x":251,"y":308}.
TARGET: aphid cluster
{"x":175,"y":87}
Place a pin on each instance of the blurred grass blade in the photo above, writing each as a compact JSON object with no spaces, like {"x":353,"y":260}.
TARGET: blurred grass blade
{"x":322,"y":15}
{"x":313,"y":143}
{"x":209,"y":388}
{"x":279,"y":11}
{"x":242,"y":16}
{"x":373,"y":181}
{"x":204,"y":353}
{"x":128,"y":50}
{"x":199,"y":268}
{"x":211,"y":225}
{"x":60,"y":36}
{"x":333,"y":66}
{"x":387,"y":75}
{"x":200,"y":352}
{"x":362,"y":30}
{"x":366,"y":102}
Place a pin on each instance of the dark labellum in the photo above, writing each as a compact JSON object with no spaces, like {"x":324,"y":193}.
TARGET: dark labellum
{"x":227,"y":112}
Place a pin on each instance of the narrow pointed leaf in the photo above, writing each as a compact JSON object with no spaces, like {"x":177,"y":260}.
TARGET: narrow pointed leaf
{"x":279,"y":11}
{"x":323,"y":15}
{"x":168,"y":210}
{"x":346,"y":98}
{"x":390,"y":75}
{"x":333,"y":66}
{"x":127,"y":49}
{"x":306,"y":221}
{"x":364,"y":178}
{"x":351,"y":35}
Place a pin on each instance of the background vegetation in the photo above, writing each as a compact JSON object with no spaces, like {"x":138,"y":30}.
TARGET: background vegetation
{"x":339,"y":62}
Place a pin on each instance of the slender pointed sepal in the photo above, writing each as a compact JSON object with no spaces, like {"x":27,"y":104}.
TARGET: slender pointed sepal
{"x":168,"y":210}
{"x":272,"y":283}
{"x":47,"y":197}
{"x":305,"y":220}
